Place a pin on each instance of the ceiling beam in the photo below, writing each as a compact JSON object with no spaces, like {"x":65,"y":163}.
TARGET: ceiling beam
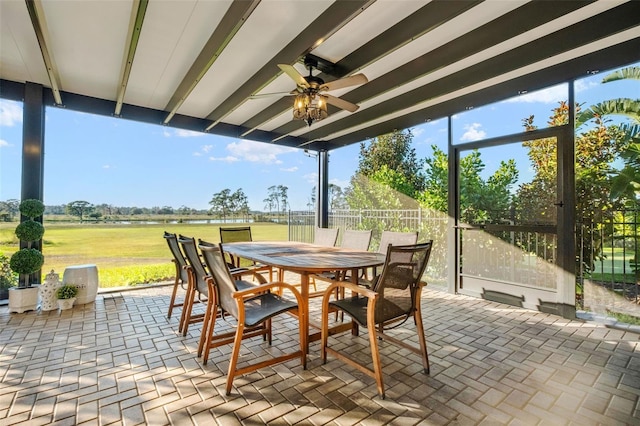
{"x":428,"y":17}
{"x":332,"y":19}
{"x":138,"y":10}
{"x":572,"y":37}
{"x":233,"y":20}
{"x":615,"y":56}
{"x":39,"y":23}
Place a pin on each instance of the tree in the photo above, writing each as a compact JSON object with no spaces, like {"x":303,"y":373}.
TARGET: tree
{"x":481,"y":201}
{"x":388,"y":161}
{"x":336,"y":198}
{"x":221,"y":203}
{"x":8,"y":209}
{"x":79,"y":209}
{"x":283,"y":197}
{"x":596,"y":149}
{"x":239,"y":203}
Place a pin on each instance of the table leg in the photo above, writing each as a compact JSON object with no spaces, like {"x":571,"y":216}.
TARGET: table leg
{"x":354,"y":279}
{"x":304,"y":292}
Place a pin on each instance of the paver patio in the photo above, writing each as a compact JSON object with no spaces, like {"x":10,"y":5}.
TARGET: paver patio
{"x":121,"y":361}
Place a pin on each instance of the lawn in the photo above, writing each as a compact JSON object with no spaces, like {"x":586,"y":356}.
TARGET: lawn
{"x":126,"y":254}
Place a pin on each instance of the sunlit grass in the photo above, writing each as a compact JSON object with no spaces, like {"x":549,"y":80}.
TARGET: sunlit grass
{"x":124,"y":254}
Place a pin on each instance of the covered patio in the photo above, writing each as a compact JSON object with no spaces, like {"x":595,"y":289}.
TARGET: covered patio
{"x":203,"y":66}
{"x":120,"y":361}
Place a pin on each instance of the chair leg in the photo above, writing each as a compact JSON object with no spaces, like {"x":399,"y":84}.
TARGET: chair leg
{"x":421,"y":339}
{"x":186,"y":309}
{"x":234,"y":356}
{"x":173,"y":296}
{"x":205,"y":324}
{"x":375,"y":353}
{"x":209,"y":335}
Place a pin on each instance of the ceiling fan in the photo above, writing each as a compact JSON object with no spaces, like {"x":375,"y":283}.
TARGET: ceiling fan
{"x":311,"y":99}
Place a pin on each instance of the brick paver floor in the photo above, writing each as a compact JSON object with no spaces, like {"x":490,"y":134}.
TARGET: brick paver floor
{"x":120,"y":361}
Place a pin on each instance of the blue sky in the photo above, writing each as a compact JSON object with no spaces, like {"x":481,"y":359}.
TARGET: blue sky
{"x":120,"y":162}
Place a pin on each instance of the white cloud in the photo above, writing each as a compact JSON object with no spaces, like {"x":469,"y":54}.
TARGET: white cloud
{"x":4,"y":143}
{"x":290,"y":169}
{"x":207,"y":148}
{"x":473,"y":132}
{"x":341,"y":183}
{"x":550,"y":95}
{"x":258,"y":152}
{"x":227,"y":159}
{"x":10,"y":113}
{"x":181,"y":133}
{"x":108,"y":166}
{"x":311,"y":178}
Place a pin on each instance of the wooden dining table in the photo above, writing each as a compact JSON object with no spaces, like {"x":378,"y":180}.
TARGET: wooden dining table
{"x":307,"y":259}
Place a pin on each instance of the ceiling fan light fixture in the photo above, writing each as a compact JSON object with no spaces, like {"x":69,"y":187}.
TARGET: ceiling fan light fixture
{"x":309,"y":108}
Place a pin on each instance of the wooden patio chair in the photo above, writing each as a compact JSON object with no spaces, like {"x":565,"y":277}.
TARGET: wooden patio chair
{"x":253,"y":308}
{"x":393,"y":299}
{"x":197,"y":288}
{"x":389,"y":237}
{"x":242,"y":234}
{"x":325,"y":237}
{"x":182,"y":277}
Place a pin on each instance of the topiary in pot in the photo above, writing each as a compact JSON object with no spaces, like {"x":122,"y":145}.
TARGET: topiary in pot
{"x":32,"y":208}
{"x":26,"y":261}
{"x":30,"y":230}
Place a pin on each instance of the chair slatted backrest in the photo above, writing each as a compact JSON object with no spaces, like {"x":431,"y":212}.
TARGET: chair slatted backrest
{"x":235,"y":235}
{"x":225,"y":284}
{"x":396,"y":239}
{"x":178,"y":257}
{"x":190,"y":250}
{"x":401,"y":275}
{"x":325,"y":237}
{"x":356,"y":240}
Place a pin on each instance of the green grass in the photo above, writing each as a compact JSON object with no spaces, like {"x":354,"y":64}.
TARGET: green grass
{"x":125,"y":254}
{"x":625,"y":318}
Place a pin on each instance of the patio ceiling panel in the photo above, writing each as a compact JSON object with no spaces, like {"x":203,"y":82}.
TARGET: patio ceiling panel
{"x":166,"y":52}
{"x":482,"y":69}
{"x":198,"y":62}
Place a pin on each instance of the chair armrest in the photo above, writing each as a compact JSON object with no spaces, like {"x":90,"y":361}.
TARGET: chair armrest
{"x":351,"y":286}
{"x":263,"y":288}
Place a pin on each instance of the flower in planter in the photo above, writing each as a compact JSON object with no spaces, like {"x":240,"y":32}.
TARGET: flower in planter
{"x":67,"y":291}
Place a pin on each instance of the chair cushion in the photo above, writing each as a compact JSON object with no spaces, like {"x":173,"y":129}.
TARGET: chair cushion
{"x":264,"y":306}
{"x":356,"y":307}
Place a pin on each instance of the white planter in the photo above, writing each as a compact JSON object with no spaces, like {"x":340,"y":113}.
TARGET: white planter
{"x":48,"y":300}
{"x":23,"y":299}
{"x":85,"y":277}
{"x":64,"y":304}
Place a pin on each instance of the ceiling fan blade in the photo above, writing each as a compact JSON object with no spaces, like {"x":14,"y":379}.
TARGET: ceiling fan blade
{"x":345,"y":82}
{"x":267,"y":95}
{"x":340,"y":103}
{"x":294,"y":74}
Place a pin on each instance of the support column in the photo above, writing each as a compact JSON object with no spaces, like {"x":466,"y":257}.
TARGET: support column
{"x":453,"y":232}
{"x":32,"y":184}
{"x":322,"y":209}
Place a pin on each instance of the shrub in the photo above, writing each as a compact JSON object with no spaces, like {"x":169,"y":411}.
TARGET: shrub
{"x":26,"y":261}
{"x":67,"y":291}
{"x":8,"y":278}
{"x":29,"y":231}
{"x":32,"y":208}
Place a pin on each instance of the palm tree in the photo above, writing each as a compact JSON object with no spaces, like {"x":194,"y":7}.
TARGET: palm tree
{"x":625,"y":183}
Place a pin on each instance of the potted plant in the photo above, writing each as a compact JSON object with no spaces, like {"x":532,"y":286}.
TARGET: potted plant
{"x":8,"y":278}
{"x":66,"y":295}
{"x":28,"y":260}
